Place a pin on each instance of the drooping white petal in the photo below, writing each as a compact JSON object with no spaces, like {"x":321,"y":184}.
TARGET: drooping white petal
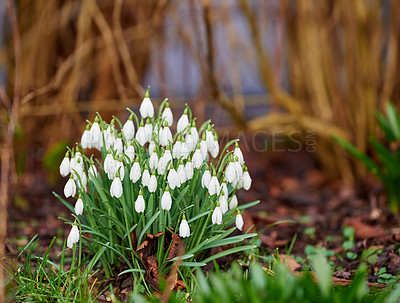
{"x":92,"y":172}
{"x":79,"y":207}
{"x":130,"y":152}
{"x":165,"y":136}
{"x":205,"y":180}
{"x":213,"y":186}
{"x":152,"y":186}
{"x":181,"y":173}
{"x":135,"y":172}
{"x":116,"y":188}
{"x":246,"y":180}
{"x":215,"y":149}
{"x":152,"y":146}
{"x":70,"y":188}
{"x":189,"y":170}
{"x":141,"y":136}
{"x":166,"y":201}
{"x":96,"y":133}
{"x":129,"y":130}
{"x":139,"y":204}
{"x":146,"y":177}
{"x":223,"y":202}
{"x":173,"y":179}
{"x":146,"y":108}
{"x":216,"y":216}
{"x":148,"y":129}
{"x":239,"y":221}
{"x":167,"y":115}
{"x":73,"y":236}
{"x":184,"y":229}
{"x":153,"y":161}
{"x":86,"y":140}
{"x":64,"y":167}
{"x":233,"y":203}
{"x":118,"y":146}
{"x":183,"y":122}
{"x":197,"y":158}
{"x":237,"y":152}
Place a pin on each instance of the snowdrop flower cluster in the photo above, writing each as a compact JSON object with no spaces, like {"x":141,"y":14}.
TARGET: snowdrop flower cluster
{"x":146,"y":169}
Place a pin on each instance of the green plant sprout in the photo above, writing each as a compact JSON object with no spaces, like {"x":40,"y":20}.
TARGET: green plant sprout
{"x":387,"y":169}
{"x":154,"y":197}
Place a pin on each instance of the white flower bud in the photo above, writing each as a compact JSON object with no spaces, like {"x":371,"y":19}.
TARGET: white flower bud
{"x":148,"y":129}
{"x":184,"y":230}
{"x":195,"y":133}
{"x":246,"y":180}
{"x":92,"y":172}
{"x":130,"y":152}
{"x":73,"y":236}
{"x":79,"y":207}
{"x":189,"y":170}
{"x":153,"y":161}
{"x":216,"y":216}
{"x":183,"y":122}
{"x":205,"y":180}
{"x":141,"y":136}
{"x":181,"y":173}
{"x":139,"y":203}
{"x":197,"y":158}
{"x":70,"y":188}
{"x":233,"y":203}
{"x":86,"y":140}
{"x":118,"y":146}
{"x":215,"y":148}
{"x":95,"y":132}
{"x":64,"y":166}
{"x":167,"y":115}
{"x":146,"y":108}
{"x":173,"y":178}
{"x":129,"y":129}
{"x":146,"y":177}
{"x":239,"y":221}
{"x":135,"y":172}
{"x":203,"y":148}
{"x":152,"y":146}
{"x":213,"y":186}
{"x":166,"y":200}
{"x":223,"y":202}
{"x":152,"y":186}
{"x":116,"y":188}
{"x":165,"y":136}
{"x":237,"y":152}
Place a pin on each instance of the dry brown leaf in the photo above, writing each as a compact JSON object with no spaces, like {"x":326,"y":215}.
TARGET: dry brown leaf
{"x":177,"y":248}
{"x":290,"y":262}
{"x":364,"y":231}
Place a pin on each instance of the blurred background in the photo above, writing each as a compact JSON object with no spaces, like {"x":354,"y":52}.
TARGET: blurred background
{"x":257,"y":68}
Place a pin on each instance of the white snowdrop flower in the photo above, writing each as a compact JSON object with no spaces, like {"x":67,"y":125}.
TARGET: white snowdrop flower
{"x":194,"y":132}
{"x":129,"y":129}
{"x":190,"y":141}
{"x":215,"y":147}
{"x":118,"y":145}
{"x":209,"y":138}
{"x":141,"y":136}
{"x":181,"y":173}
{"x":223,"y":202}
{"x":183,"y":122}
{"x":237,"y":152}
{"x":152,"y":183}
{"x":135,"y":172}
{"x":166,"y":200}
{"x":86,"y":140}
{"x":184,"y":229}
{"x":213,"y":186}
{"x":70,"y":188}
{"x":152,"y":146}
{"x":146,"y":176}
{"x":203,"y":147}
{"x":189,"y":170}
{"x":130,"y":152}
{"x":239,"y":221}
{"x":146,"y":108}
{"x":176,"y":150}
{"x":112,"y":168}
{"x":164,"y":160}
{"x":183,"y":151}
{"x":167,"y":114}
{"x":64,"y":166}
{"x":153,"y":161}
{"x":233,"y":203}
{"x":139,"y":203}
{"x":73,"y":236}
{"x":165,"y":136}
{"x":110,"y":140}
{"x":116,"y":188}
{"x":76,"y":163}
{"x":81,"y":179}
{"x":108,"y":163}
{"x":197,"y":157}
{"x":95,"y":132}
{"x":230,"y":174}
{"x":173,"y":178}
{"x":92,"y":171}
{"x":148,"y":129}
{"x":206,"y":178}
{"x":79,"y":206}
{"x":216,"y":216}
{"x":246,"y":179}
